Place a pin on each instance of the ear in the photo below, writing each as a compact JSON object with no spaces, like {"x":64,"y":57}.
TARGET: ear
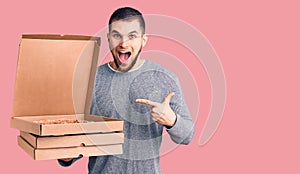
{"x":145,"y":39}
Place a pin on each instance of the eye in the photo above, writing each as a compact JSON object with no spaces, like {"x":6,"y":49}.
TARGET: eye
{"x":116,"y":36}
{"x":132,"y":36}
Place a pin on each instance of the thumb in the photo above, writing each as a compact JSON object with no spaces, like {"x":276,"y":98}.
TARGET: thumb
{"x":169,"y":97}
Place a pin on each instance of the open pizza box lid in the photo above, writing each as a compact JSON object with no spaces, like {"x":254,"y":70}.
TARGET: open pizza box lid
{"x":55,"y":80}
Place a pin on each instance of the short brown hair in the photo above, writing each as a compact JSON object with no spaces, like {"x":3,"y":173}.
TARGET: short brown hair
{"x":127,"y":13}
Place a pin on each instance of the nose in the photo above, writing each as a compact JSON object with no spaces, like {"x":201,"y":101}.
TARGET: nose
{"x":124,"y":42}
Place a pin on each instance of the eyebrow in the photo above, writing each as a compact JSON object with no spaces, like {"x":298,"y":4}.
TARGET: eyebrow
{"x":134,"y":32}
{"x":115,"y":31}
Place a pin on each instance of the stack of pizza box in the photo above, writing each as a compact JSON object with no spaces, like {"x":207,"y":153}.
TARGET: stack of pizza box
{"x":53,"y":90}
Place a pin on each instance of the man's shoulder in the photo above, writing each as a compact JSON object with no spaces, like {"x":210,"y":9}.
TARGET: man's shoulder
{"x":160,"y":68}
{"x":103,"y":67}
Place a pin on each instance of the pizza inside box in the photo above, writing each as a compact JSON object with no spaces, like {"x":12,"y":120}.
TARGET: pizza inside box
{"x":52,"y":99}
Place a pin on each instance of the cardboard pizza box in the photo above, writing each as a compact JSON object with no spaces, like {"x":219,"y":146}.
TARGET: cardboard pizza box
{"x":52,"y":99}
{"x":55,"y":80}
{"x":75,"y":140}
{"x":68,"y":152}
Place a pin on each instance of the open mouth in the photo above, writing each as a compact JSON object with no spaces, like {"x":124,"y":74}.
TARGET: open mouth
{"x":124,"y":56}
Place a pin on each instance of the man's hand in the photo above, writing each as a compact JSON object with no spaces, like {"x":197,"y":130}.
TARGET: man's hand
{"x":161,"y":112}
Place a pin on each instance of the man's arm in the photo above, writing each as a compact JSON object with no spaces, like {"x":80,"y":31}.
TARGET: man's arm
{"x":174,"y":115}
{"x":183,"y":131}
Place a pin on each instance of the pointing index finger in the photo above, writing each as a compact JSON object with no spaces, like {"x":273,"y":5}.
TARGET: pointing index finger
{"x":146,"y":102}
{"x":168,"y":97}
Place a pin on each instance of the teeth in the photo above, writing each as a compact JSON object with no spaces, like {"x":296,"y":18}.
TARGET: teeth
{"x":124,"y":56}
{"x":128,"y":53}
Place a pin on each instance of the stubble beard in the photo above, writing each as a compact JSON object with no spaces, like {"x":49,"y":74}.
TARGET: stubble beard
{"x":130,"y":66}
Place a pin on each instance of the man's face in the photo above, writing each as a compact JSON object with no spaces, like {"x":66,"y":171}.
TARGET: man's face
{"x":126,"y":40}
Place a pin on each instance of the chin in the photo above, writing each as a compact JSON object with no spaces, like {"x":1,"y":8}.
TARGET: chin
{"x":124,"y":68}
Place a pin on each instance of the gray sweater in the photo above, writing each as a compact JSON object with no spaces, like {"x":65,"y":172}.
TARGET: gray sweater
{"x":114,"y":96}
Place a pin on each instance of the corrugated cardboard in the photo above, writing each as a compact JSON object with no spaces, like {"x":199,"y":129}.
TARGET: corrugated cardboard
{"x":95,"y":124}
{"x":73,"y":140}
{"x":55,"y":75}
{"x":55,"y":80}
{"x":68,"y":152}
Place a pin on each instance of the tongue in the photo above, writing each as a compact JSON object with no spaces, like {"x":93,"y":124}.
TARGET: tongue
{"x":123,"y":57}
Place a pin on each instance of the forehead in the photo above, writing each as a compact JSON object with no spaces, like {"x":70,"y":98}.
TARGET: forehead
{"x":125,"y":26}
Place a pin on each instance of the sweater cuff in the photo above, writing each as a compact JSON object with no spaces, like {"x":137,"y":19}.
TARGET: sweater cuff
{"x":66,"y":164}
{"x":170,"y":127}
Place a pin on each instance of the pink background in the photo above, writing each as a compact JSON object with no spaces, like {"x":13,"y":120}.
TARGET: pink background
{"x":258,"y":45}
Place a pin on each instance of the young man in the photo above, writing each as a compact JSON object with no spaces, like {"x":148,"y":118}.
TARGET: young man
{"x":145,"y":95}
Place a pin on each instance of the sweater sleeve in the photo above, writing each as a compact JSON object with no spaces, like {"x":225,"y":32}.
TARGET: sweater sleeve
{"x":67,"y":164}
{"x":182,"y":131}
